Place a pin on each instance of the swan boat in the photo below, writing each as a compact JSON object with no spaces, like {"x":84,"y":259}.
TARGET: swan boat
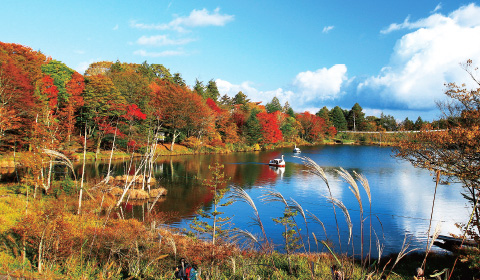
{"x":296,"y":150}
{"x":277,"y":162}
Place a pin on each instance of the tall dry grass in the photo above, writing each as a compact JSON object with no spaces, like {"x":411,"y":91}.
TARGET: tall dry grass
{"x":313,"y":168}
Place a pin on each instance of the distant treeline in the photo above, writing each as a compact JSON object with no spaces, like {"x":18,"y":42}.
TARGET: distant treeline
{"x":46,"y":104}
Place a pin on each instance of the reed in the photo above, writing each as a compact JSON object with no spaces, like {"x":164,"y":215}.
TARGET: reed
{"x":243,"y":236}
{"x":315,"y":218}
{"x":239,"y":194}
{"x":297,"y":207}
{"x":403,"y":252}
{"x":354,"y":189}
{"x":315,"y":169}
{"x":344,"y":209}
{"x":366,"y":186}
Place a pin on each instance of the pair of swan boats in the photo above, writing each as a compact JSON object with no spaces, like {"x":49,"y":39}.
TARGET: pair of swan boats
{"x":280,"y":162}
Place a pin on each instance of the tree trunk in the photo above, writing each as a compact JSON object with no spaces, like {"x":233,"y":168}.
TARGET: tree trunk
{"x":99,"y":141}
{"x":83,"y":172}
{"x":175,"y":135}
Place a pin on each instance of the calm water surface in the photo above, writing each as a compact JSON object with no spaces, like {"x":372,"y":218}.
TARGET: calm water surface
{"x":402,"y":195}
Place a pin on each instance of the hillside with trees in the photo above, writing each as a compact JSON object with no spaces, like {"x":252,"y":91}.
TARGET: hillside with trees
{"x":46,"y":104}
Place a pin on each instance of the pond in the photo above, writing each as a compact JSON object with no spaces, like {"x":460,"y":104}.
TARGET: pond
{"x":402,"y":195}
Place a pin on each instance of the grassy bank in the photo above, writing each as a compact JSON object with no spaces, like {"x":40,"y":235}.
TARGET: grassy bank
{"x":43,"y":237}
{"x":45,"y":234}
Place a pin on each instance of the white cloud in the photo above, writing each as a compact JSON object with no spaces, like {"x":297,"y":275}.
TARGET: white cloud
{"x":115,"y":27}
{"x":197,"y":18}
{"x":203,"y":18}
{"x":428,"y":57}
{"x":158,"y":54}
{"x":322,"y":84}
{"x":437,"y":8}
{"x":326,"y":29}
{"x":162,"y":40}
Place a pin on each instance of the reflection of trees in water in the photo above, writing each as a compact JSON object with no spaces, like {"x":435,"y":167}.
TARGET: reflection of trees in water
{"x":182,"y":176}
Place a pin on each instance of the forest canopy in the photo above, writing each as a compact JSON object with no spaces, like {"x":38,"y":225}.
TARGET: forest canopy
{"x":44,"y":104}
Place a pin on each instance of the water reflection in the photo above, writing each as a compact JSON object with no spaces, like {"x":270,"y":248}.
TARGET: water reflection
{"x":401,"y":195}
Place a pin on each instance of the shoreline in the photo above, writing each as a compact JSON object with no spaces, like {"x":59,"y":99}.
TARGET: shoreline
{"x":9,"y":161}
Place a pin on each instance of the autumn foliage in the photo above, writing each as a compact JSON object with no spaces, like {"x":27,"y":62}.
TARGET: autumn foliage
{"x":43,"y":98}
{"x":270,"y":127}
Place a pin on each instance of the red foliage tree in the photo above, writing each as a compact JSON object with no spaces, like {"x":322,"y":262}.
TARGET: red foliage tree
{"x":74,"y":87}
{"x":49,"y":94}
{"x":213,"y":106}
{"x":16,"y":99}
{"x":180,"y":111}
{"x":312,"y":127}
{"x":134,"y":113}
{"x":46,"y":126}
{"x":331,"y":131}
{"x":271,"y":132}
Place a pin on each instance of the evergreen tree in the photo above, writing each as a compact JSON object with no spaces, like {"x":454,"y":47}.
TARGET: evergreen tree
{"x":289,"y":130}
{"x":216,"y":227}
{"x":253,"y":128}
{"x":199,"y":88}
{"x":286,"y":107}
{"x":273,"y":106}
{"x":240,"y":98}
{"x":419,"y":123}
{"x":325,"y":114}
{"x":226,"y":100}
{"x":212,"y":91}
{"x":338,"y":119}
{"x":155,"y":71}
{"x":408,"y":124}
{"x":177,"y":79}
{"x":388,"y":122}
{"x":290,"y":112}
{"x":356,"y":118}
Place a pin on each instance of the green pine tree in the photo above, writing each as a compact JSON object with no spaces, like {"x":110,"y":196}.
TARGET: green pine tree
{"x":273,"y":106}
{"x":290,"y":236}
{"x":199,"y":88}
{"x":212,"y":91}
{"x":356,"y":118}
{"x":240,"y":98}
{"x":253,"y":129}
{"x":213,"y":223}
{"x":338,"y":119}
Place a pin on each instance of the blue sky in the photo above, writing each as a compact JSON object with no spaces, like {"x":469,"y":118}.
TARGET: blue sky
{"x":389,"y":56}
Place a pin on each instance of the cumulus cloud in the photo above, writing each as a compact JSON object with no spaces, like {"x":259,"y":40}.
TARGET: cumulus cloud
{"x":326,"y":29}
{"x":427,"y":58}
{"x":162,"y":40}
{"x":158,"y":54}
{"x":196,"y":18}
{"x":322,"y":84}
